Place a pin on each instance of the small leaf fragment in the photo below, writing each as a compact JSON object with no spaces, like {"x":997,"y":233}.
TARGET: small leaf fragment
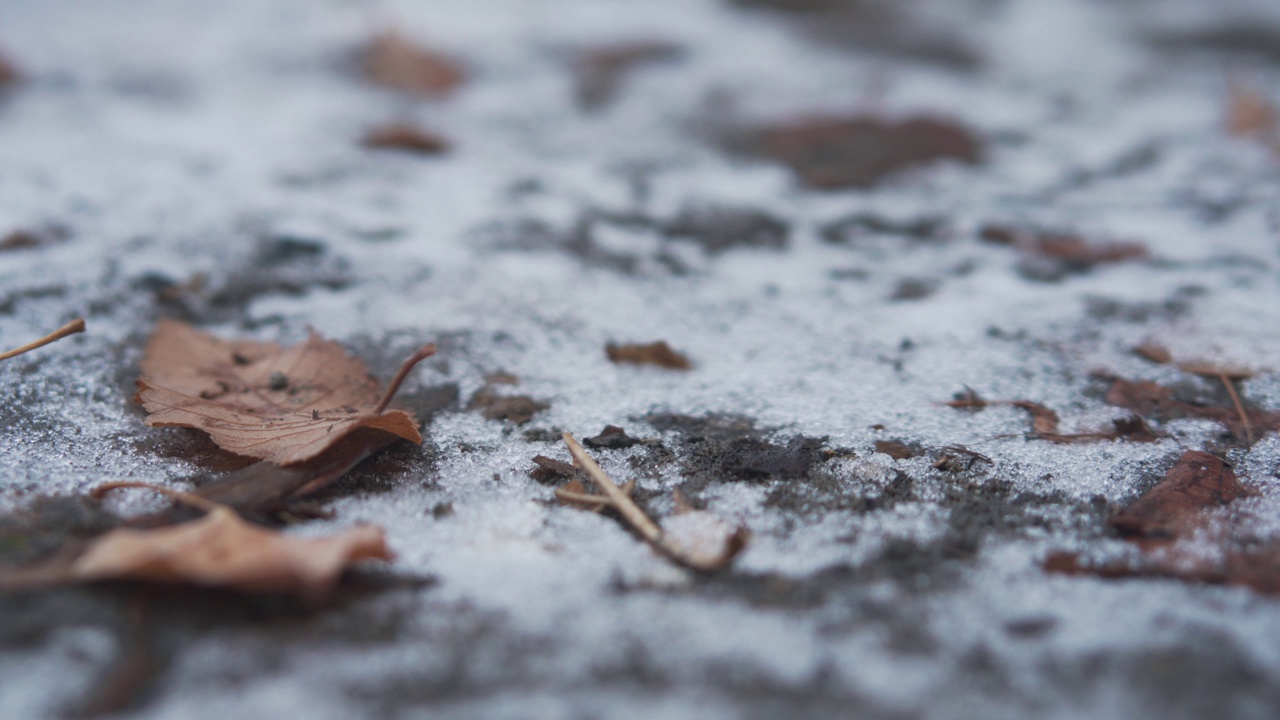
{"x":1251,"y":114}
{"x":406,"y":137}
{"x":655,"y":353}
{"x":393,"y":61}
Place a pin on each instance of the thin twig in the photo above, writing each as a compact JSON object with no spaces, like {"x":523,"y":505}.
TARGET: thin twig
{"x":71,"y":328}
{"x":618,"y":499}
{"x":1235,"y":400}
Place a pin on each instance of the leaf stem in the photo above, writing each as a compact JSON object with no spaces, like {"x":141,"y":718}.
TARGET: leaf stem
{"x":1235,"y":400}
{"x":423,"y":353}
{"x":71,"y":328}
{"x":192,"y":500}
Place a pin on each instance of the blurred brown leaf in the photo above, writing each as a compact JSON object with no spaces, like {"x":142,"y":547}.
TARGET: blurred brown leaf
{"x":391,"y":60}
{"x":1250,"y":113}
{"x":9,"y":74}
{"x":402,"y":136}
{"x":217,"y":550}
{"x":1185,"y":530}
{"x":1065,"y":251}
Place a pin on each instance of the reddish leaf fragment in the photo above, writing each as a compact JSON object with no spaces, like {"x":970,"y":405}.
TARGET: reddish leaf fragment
{"x":656,"y":353}
{"x":1069,"y":253}
{"x":1197,"y":482}
{"x":1043,"y":420}
{"x":1154,"y":352}
{"x":896,"y":450}
{"x":28,"y":238}
{"x":1251,"y":114}
{"x":402,"y":136}
{"x":9,"y":74}
{"x":611,"y":438}
{"x":284,"y":405}
{"x":1159,"y":354}
{"x":861,"y":151}
{"x":550,"y":470}
{"x":599,"y":71}
{"x":392,"y":61}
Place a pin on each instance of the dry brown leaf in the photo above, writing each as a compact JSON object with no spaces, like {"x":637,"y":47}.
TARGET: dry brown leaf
{"x":655,"y":353}
{"x":392,"y":61}
{"x":402,"y":136}
{"x":217,"y":550}
{"x":284,"y":405}
{"x":1197,"y":482}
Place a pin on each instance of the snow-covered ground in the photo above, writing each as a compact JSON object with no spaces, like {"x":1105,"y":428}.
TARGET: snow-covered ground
{"x":215,"y":146}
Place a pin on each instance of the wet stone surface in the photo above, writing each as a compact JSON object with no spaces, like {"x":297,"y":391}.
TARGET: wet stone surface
{"x":748,"y":258}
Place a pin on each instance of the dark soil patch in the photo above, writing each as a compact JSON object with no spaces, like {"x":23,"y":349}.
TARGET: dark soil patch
{"x":49,"y":524}
{"x":862,"y":151}
{"x":715,"y":228}
{"x":718,"y":228}
{"x":516,"y":409}
{"x":724,"y":448}
{"x":154,"y":625}
{"x":599,"y":72}
{"x":877,"y":27}
{"x":853,"y":228}
{"x":280,"y":265}
{"x":1245,"y":41}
